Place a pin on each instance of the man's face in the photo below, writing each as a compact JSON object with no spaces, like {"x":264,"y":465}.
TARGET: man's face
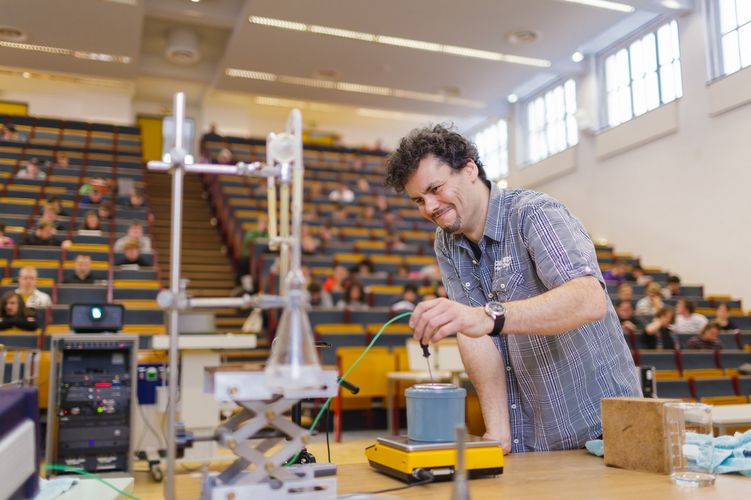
{"x":27,"y":280}
{"x":132,"y":253}
{"x":12,"y":306}
{"x":441,"y":193}
{"x":44,"y":232}
{"x":680,"y":308}
{"x":625,"y":292}
{"x":82,"y":266}
{"x":625,"y":310}
{"x":712,"y":333}
{"x":135,"y":232}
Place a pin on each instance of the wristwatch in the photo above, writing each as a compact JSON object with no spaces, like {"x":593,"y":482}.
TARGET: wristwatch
{"x":497,"y":312}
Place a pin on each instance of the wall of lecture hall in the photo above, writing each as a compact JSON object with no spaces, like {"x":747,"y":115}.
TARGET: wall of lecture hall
{"x":70,"y":100}
{"x":682,"y":201}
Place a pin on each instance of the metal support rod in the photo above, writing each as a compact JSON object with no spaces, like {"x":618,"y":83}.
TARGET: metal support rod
{"x":178,"y":157}
{"x":256,"y":169}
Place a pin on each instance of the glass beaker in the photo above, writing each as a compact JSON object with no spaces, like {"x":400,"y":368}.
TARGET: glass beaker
{"x":689,"y":443}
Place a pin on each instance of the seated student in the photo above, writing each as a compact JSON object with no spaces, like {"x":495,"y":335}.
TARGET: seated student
{"x":14,"y":314}
{"x":61,"y":160}
{"x":81,"y":274}
{"x":629,"y":323}
{"x":673,"y":288}
{"x":363,"y":268}
{"x":616,"y":273}
{"x":91,"y":222}
{"x":353,"y":298}
{"x":318,"y":296}
{"x":625,"y":292}
{"x":49,"y":214}
{"x":135,"y":199}
{"x":722,"y":318}
{"x":5,"y":241}
{"x":342,"y":194}
{"x":338,"y":281}
{"x":686,"y":320}
{"x":638,"y":276}
{"x":308,"y":243}
{"x":31,"y":170}
{"x":652,"y":302}
{"x":27,"y":289}
{"x":44,"y":235}
{"x":657,"y":334}
{"x":708,"y":339}
{"x":57,"y":205}
{"x":93,"y":196}
{"x":409,"y":299}
{"x":131,"y":256}
{"x":135,"y":232}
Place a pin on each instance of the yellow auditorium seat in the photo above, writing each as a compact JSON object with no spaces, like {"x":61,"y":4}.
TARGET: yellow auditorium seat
{"x":369,"y":375}
{"x":703,"y":373}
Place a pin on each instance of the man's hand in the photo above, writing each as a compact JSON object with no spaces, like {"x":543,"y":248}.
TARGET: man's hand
{"x":435,"y":319}
{"x":505,"y":440}
{"x":629,"y":326}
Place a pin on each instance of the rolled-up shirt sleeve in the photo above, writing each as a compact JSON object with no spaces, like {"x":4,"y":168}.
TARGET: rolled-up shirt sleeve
{"x":558,"y":244}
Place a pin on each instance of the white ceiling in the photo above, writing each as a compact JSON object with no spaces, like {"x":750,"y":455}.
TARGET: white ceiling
{"x":138,"y":29}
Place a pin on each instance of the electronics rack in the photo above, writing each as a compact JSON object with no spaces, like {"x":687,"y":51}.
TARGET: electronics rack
{"x":92,"y":402}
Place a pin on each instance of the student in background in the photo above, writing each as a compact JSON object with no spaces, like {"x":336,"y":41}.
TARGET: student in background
{"x":658,"y":334}
{"x":708,"y":339}
{"x":27,"y":289}
{"x":353,"y":297}
{"x":81,"y":274}
{"x":14,"y":314}
{"x":722,"y":318}
{"x":652,"y":302}
{"x":686,"y":320}
{"x":5,"y":241}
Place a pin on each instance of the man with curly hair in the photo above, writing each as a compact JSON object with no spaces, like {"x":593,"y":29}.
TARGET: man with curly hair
{"x":537,"y":332}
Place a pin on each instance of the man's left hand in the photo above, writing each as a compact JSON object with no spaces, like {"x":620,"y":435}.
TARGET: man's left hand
{"x":435,"y":319}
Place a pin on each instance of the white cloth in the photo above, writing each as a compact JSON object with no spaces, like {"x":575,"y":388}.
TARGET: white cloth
{"x":693,"y":324}
{"x":144,"y":243}
{"x":37,"y":300}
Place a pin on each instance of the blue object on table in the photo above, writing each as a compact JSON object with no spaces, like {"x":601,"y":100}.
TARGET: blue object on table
{"x":730,"y":453}
{"x":434,"y":411}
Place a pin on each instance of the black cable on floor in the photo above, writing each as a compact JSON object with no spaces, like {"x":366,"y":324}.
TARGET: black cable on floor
{"x":389,"y":490}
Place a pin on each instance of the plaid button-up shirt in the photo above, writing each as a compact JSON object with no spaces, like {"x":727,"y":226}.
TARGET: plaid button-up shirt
{"x":532,"y":244}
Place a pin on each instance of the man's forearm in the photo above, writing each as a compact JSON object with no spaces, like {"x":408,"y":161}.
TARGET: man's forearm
{"x":484,"y":365}
{"x":559,"y":310}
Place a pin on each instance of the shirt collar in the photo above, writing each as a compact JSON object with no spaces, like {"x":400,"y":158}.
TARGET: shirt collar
{"x":493,"y":222}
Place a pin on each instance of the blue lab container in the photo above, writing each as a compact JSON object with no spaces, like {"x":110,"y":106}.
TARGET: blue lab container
{"x":434,"y":411}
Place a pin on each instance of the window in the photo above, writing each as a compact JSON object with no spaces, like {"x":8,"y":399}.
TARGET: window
{"x":643,"y":75}
{"x":731,"y":24}
{"x":551,"y":122}
{"x":492,"y":145}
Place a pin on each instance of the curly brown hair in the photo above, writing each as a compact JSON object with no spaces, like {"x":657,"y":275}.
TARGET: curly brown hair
{"x":441,"y":141}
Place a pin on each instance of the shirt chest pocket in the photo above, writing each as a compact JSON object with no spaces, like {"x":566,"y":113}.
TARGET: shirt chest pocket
{"x":505,"y":283}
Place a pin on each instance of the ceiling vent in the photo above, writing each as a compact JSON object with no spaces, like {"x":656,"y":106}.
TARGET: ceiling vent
{"x":182,"y":47}
{"x":522,"y":37}
{"x":12,"y":34}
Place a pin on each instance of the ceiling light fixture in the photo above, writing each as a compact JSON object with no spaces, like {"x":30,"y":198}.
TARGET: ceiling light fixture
{"x":397,"y":115}
{"x":79,"y":54}
{"x":399,"y":42}
{"x":673,"y":4}
{"x":604,"y":4}
{"x":512,"y":98}
{"x":577,"y":57}
{"x":352,"y":87}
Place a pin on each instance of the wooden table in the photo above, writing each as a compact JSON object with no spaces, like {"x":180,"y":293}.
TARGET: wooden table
{"x":554,"y":475}
{"x":562,"y":474}
{"x":731,"y":416}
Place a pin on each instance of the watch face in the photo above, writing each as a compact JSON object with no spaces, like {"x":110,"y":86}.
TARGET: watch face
{"x":496,"y":308}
